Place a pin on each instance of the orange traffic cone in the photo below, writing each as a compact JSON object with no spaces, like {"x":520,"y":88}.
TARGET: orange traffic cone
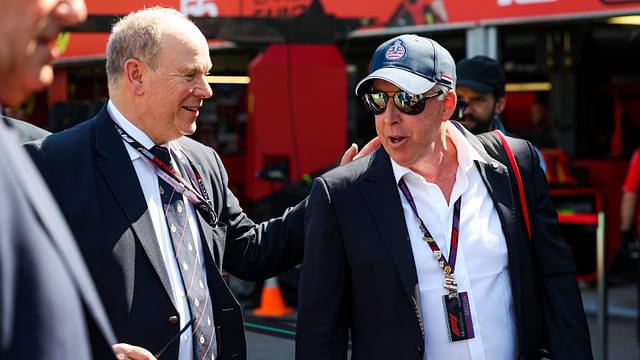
{"x":272,"y":303}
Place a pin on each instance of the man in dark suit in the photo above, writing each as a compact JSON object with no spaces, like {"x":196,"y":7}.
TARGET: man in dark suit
{"x":48,"y":302}
{"x":419,"y":250}
{"x":150,"y":208}
{"x":48,"y":299}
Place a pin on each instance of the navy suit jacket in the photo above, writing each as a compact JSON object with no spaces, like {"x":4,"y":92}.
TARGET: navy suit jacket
{"x":48,"y":302}
{"x":359,"y":275}
{"x":93,"y":179}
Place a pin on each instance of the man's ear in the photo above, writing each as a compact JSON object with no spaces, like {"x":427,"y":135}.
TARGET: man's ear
{"x":501,"y":102}
{"x":133,"y":76}
{"x":449,"y":102}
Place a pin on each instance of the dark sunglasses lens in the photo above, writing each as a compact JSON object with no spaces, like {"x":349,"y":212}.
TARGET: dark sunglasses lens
{"x":376,"y":102}
{"x":409,"y":103}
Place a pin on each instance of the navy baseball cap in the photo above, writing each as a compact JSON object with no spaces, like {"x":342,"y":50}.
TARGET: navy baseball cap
{"x":413,"y":63}
{"x":482,"y":74}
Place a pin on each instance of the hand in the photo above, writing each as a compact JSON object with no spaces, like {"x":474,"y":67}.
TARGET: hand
{"x":353,"y":154}
{"x":126,"y":352}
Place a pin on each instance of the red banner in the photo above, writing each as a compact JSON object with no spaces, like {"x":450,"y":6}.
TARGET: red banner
{"x":417,"y":12}
{"x":380,"y":13}
{"x":389,"y":12}
{"x":123,"y":7}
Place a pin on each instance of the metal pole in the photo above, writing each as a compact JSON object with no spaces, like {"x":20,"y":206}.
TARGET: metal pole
{"x":603,"y":306}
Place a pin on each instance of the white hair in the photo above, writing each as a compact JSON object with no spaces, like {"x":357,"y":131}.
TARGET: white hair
{"x":137,"y":36}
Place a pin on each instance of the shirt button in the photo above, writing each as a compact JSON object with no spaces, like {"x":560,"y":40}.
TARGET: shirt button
{"x":172,"y":320}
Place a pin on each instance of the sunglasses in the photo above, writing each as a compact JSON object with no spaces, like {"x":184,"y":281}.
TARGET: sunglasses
{"x":410,"y":104}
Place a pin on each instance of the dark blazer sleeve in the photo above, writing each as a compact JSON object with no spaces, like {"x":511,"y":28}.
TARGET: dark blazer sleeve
{"x":258,"y":251}
{"x":324,"y":292}
{"x":567,"y":329}
{"x":41,"y":313}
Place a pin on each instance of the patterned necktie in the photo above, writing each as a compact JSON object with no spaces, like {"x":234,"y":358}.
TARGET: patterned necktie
{"x":195,"y":284}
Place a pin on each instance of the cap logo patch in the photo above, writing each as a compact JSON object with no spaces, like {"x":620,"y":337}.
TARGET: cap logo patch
{"x":396,"y":51}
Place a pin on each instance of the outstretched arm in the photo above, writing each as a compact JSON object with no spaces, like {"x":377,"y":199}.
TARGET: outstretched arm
{"x":628,"y":205}
{"x":324,"y":295}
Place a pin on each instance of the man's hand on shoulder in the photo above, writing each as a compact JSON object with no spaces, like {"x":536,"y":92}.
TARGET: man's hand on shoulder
{"x":353,"y":154}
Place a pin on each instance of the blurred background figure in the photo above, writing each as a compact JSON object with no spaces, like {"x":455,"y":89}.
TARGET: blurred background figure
{"x":629,"y":252}
{"x":481,"y":96}
{"x":47,"y":299}
{"x":629,"y":248}
{"x":540,"y":133}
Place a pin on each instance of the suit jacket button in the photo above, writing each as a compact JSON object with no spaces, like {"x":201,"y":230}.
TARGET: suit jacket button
{"x":419,"y":349}
{"x":172,"y":320}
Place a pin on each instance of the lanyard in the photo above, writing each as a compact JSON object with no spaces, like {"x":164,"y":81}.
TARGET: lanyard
{"x":200,"y":200}
{"x":456,"y":305}
{"x":448,"y":266}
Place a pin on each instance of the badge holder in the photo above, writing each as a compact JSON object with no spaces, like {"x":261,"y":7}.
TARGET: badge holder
{"x":456,"y":311}
{"x":458,"y":316}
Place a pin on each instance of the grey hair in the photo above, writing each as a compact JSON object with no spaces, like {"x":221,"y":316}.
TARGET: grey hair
{"x":444,"y":89}
{"x":137,"y":36}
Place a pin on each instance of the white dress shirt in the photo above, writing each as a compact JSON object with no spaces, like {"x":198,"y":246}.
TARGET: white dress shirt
{"x":482,"y":266}
{"x":148,"y":178}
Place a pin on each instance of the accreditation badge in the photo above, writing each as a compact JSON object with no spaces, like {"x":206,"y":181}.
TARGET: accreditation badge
{"x":458,"y":316}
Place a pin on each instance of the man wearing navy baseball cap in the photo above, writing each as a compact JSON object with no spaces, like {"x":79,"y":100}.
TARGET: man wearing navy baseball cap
{"x":418,"y":250}
{"x":482,"y":97}
{"x":481,"y":87}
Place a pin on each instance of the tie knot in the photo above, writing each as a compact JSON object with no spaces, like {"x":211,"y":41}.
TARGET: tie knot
{"x":162,"y":153}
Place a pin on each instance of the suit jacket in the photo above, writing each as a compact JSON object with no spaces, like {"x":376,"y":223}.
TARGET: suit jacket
{"x":48,"y":301}
{"x":93,"y":179}
{"x":359,"y":274}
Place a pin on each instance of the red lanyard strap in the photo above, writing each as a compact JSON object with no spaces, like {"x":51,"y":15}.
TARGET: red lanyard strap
{"x":516,"y":172}
{"x":448,"y":266}
{"x":200,"y":200}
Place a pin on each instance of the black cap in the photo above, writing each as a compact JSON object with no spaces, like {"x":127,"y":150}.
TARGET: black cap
{"x":411,"y":62}
{"x":482,"y":74}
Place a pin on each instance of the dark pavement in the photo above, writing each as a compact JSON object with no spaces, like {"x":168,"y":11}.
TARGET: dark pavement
{"x":622,"y":339}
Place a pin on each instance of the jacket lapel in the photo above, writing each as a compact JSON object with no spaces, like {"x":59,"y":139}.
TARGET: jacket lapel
{"x":497,"y":180}
{"x":379,"y":190}
{"x":113,"y":161}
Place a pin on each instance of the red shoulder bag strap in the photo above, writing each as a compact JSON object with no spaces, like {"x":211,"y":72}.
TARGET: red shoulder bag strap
{"x":516,"y":171}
